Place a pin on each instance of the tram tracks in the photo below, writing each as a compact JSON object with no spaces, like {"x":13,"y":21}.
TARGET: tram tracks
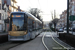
{"x":63,"y":47}
{"x":58,"y":42}
{"x":44,"y":42}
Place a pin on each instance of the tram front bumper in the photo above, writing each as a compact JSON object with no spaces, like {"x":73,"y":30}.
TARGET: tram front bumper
{"x":16,"y":38}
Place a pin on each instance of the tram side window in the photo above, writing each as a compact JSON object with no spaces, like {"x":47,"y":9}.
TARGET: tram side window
{"x":33,"y":25}
{"x":29,"y":24}
{"x":26,"y":18}
{"x":25,"y":22}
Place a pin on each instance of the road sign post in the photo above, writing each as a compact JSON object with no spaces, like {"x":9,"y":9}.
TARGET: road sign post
{"x":67,"y":16}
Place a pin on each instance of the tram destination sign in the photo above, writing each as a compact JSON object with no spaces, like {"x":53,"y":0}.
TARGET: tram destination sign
{"x":17,"y":15}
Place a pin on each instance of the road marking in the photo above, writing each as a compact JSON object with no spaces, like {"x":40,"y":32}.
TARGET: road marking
{"x":58,"y":42}
{"x":44,"y":42}
{"x":47,"y":35}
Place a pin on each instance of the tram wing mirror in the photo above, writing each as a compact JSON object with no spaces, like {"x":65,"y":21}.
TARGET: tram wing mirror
{"x":6,"y":21}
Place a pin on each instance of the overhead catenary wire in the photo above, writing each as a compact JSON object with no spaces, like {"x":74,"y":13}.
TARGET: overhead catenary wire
{"x":30,"y":3}
{"x":39,"y":4}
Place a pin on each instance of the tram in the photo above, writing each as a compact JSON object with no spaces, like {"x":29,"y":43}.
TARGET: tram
{"x":23,"y":26}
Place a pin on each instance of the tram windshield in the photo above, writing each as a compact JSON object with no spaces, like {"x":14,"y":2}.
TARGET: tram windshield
{"x":18,"y":22}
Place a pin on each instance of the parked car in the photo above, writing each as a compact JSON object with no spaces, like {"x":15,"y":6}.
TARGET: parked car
{"x":73,"y":29}
{"x":57,"y":28}
{"x":65,"y":29}
{"x":60,"y":30}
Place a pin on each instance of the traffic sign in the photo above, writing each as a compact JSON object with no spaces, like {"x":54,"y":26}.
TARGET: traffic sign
{"x":72,"y":17}
{"x":5,"y":8}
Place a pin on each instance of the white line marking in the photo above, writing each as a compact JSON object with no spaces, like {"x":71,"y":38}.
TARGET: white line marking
{"x":58,"y":42}
{"x":44,"y":42}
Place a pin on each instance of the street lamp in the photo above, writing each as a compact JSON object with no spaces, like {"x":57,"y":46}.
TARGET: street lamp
{"x":67,"y":16}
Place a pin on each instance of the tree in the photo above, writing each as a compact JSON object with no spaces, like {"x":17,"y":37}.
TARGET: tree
{"x":50,"y":24}
{"x":54,"y":21}
{"x":35,"y":12}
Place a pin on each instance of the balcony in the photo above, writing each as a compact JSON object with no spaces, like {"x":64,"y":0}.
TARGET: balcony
{"x":14,"y":1}
{"x":9,"y":7}
{"x":14,"y":5}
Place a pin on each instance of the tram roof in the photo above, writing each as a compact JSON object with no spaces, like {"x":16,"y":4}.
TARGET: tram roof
{"x":33,"y":17}
{"x":17,"y":12}
{"x":29,"y":15}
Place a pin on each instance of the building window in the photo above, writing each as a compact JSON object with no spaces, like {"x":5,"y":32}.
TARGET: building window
{"x":0,"y":16}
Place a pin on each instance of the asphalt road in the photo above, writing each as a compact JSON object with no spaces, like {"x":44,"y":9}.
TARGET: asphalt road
{"x":35,"y":44}
{"x":7,"y":45}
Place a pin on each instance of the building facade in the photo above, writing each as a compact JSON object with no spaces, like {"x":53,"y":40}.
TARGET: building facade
{"x":72,"y":10}
{"x":6,"y":7}
{"x":13,"y":7}
{"x":71,"y":7}
{"x":3,"y":14}
{"x":63,"y":16}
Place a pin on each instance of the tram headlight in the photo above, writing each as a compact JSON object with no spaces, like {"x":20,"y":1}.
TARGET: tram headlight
{"x":9,"y":33}
{"x":24,"y":32}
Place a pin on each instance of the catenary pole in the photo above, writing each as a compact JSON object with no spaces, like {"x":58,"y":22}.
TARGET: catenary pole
{"x":67,"y":16}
